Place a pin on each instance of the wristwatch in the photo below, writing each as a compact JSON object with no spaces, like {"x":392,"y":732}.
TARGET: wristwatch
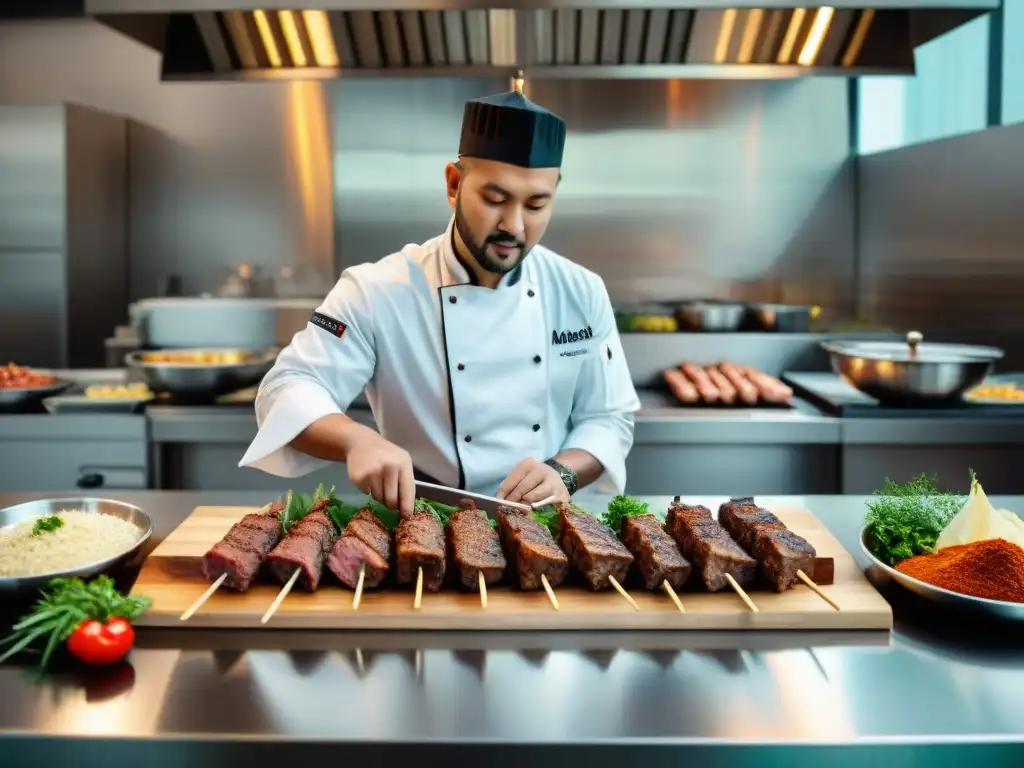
{"x":569,"y":477}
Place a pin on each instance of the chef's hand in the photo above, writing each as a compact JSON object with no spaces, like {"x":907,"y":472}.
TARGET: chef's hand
{"x":533,"y":481}
{"x":383,"y":470}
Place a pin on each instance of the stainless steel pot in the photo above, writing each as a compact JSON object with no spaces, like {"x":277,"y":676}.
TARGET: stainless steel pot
{"x":202,"y":379}
{"x":911,"y":373}
{"x":713,"y":316}
{"x":222,"y":323}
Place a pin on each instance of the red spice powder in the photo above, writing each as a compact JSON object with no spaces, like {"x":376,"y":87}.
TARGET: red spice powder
{"x":993,"y":569}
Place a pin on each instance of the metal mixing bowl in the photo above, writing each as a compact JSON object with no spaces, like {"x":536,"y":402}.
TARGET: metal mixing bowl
{"x":714,"y":316}
{"x":911,"y":373}
{"x":28,"y":585}
{"x":202,"y":379}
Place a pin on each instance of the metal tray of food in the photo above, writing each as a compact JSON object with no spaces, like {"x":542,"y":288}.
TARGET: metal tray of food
{"x":101,"y":398}
{"x":997,"y":609}
{"x":86,"y":404}
{"x":1001,"y":389}
{"x":11,"y":396}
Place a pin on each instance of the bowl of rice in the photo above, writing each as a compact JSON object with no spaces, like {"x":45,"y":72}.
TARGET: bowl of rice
{"x":51,"y":538}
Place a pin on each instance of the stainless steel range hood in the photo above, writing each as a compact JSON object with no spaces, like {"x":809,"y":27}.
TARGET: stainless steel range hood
{"x":229,"y":39}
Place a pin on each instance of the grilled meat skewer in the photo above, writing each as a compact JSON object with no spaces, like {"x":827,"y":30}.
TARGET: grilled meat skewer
{"x":704,"y":542}
{"x":240,"y":554}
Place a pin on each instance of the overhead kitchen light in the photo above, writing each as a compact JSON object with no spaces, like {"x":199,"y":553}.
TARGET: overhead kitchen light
{"x":819,"y":28}
{"x":290,"y":29}
{"x":267,"y":36}
{"x":319,"y":29}
{"x":544,"y":38}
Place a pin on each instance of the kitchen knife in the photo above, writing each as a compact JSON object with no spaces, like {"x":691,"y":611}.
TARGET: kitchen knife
{"x":453,"y":497}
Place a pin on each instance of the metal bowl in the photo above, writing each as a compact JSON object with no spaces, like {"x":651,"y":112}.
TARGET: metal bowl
{"x":781,"y":318}
{"x":998,"y":609}
{"x":913,"y":373}
{"x":202,"y":379}
{"x":28,"y":395}
{"x":712,"y":316}
{"x":23,"y":585}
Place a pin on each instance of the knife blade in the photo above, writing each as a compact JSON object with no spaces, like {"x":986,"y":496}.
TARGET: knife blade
{"x":453,"y":497}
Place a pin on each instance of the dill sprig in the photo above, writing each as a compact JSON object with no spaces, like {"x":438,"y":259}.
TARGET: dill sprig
{"x":905,"y":519}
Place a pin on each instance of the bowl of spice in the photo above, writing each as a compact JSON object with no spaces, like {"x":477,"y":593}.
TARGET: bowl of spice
{"x":969,"y":558}
{"x":985,"y":576}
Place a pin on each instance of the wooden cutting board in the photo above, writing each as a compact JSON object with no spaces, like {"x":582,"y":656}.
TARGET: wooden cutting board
{"x":171,"y":576}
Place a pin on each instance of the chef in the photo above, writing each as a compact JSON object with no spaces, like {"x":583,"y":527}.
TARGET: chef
{"x":491,"y":363}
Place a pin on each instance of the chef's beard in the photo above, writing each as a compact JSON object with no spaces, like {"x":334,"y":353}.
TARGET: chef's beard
{"x":478,"y":250}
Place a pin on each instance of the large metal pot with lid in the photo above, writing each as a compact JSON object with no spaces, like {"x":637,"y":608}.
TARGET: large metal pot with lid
{"x":912,"y":373}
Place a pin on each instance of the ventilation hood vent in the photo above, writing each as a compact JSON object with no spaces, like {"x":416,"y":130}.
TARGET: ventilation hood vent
{"x":369,"y":38}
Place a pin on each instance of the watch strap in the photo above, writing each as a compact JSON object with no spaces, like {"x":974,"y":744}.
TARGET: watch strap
{"x":569,"y":478}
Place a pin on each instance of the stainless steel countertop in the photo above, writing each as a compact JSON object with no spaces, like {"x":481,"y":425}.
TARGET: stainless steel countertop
{"x":659,"y":421}
{"x":509,"y":697}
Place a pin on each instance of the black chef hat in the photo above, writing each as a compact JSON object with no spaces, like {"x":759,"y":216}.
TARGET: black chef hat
{"x":509,"y":128}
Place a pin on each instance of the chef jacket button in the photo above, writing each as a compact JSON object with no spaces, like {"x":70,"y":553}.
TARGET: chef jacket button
{"x":536,"y":358}
{"x":452,"y":299}
{"x":461,"y":367}
{"x":530,"y":293}
{"x":468,"y":438}
{"x":536,"y":427}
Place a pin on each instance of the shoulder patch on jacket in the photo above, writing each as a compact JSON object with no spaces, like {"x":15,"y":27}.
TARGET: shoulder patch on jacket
{"x":329,"y":324}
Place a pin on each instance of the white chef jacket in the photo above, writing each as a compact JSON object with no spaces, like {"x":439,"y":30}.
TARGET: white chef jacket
{"x":469,"y":380}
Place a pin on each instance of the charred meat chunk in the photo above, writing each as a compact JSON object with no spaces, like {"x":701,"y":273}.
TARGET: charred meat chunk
{"x":305,"y":547}
{"x":533,"y":549}
{"x":365,"y":543}
{"x":657,"y":556}
{"x":419,"y":543}
{"x":475,"y":546}
{"x":733,"y":514}
{"x":707,"y":545}
{"x":243,"y":549}
{"x":593,"y":547}
{"x":779,"y":552}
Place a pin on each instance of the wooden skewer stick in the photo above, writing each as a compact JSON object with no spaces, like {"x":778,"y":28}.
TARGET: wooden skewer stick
{"x":359,"y":587}
{"x":549,"y":590}
{"x":419,"y":589}
{"x":281,"y":596}
{"x":205,"y":596}
{"x":672,"y":593}
{"x":483,"y":588}
{"x":816,"y":589}
{"x":739,"y":591}
{"x":624,"y":593}
{"x":544,"y":502}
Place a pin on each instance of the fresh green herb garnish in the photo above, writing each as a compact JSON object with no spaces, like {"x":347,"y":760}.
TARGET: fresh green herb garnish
{"x":906,"y":519}
{"x":44,"y":524}
{"x":548,"y":516}
{"x":298,"y":505}
{"x":66,"y":603}
{"x":442,"y":512}
{"x":621,"y":507}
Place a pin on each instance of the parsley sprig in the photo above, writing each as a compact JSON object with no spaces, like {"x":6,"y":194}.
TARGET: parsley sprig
{"x":46,"y":524}
{"x":63,"y":605}
{"x":621,"y":507}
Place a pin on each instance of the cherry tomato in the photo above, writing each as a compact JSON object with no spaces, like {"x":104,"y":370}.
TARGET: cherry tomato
{"x":97,"y":643}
